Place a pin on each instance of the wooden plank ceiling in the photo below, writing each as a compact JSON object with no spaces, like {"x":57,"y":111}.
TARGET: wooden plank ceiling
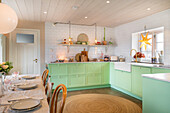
{"x":97,"y":11}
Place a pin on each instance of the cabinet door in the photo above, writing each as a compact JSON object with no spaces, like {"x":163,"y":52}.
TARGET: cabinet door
{"x":76,"y":80}
{"x":76,"y":68}
{"x":62,"y":69}
{"x":112,"y":74}
{"x":105,"y":73}
{"x":93,"y":79}
{"x":137,"y":79}
{"x":59,"y":79}
{"x":123,"y":80}
{"x":159,"y":70}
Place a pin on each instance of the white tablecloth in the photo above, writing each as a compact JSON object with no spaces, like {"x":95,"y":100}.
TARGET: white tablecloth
{"x":37,"y":93}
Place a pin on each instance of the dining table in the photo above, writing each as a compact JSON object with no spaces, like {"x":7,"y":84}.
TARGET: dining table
{"x":13,"y":94}
{"x":99,"y":103}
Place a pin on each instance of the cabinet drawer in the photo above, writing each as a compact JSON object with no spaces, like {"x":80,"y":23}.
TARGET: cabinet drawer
{"x":159,"y":70}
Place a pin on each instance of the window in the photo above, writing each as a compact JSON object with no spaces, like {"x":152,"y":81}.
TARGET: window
{"x":25,"y":38}
{"x":157,"y":43}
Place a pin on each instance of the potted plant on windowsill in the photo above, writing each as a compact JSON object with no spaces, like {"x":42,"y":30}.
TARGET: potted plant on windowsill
{"x":104,"y":39}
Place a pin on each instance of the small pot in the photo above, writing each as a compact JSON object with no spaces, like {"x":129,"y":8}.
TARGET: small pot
{"x":104,"y":42}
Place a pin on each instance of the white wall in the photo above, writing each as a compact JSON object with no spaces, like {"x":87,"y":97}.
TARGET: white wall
{"x":123,"y":33}
{"x":55,"y":35}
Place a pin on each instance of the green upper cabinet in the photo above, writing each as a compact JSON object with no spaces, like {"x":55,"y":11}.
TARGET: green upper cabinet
{"x":137,"y":79}
{"x":123,"y":80}
{"x":160,"y":70}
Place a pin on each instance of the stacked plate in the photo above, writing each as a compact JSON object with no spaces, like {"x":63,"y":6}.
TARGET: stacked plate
{"x":25,"y":105}
{"x":27,"y":86}
{"x":29,"y":77}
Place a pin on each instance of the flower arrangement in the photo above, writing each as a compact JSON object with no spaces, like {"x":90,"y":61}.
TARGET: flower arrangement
{"x":5,"y":67}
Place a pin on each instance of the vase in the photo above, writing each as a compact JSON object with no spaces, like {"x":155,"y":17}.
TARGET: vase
{"x":104,"y":42}
{"x":1,"y":84}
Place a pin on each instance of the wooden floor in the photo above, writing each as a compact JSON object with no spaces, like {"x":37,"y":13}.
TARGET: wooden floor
{"x":110,"y":91}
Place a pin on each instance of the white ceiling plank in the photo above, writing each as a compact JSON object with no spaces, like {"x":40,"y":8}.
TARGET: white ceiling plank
{"x":22,"y":7}
{"x":116,"y":13}
{"x":52,"y":8}
{"x":12,"y":4}
{"x":45,"y":8}
{"x":37,"y":10}
{"x":30,"y":9}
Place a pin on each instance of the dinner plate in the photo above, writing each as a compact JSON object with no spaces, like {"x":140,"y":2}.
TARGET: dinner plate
{"x":27,"y":86}
{"x":29,"y":77}
{"x":26,"y":104}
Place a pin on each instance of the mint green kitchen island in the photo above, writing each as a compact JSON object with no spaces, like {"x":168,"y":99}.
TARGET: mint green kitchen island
{"x":156,"y":93}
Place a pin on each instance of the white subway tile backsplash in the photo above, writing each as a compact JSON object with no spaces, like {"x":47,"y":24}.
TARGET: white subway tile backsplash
{"x":55,"y":35}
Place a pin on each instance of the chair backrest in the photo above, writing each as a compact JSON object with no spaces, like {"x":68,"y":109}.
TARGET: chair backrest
{"x":53,"y":108}
{"x":48,"y":89}
{"x":44,"y":76}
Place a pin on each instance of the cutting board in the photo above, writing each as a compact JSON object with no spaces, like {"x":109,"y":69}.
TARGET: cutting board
{"x":84,"y":56}
{"x":85,"y":53}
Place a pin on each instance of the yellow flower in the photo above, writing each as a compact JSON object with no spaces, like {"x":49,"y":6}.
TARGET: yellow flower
{"x":3,"y":63}
{"x":4,"y":66}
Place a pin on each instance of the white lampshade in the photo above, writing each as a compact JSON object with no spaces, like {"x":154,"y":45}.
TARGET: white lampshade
{"x":8,"y":19}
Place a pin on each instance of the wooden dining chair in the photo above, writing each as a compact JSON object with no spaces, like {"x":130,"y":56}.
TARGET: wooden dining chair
{"x":54,"y":100}
{"x":48,"y":89}
{"x":44,"y":76}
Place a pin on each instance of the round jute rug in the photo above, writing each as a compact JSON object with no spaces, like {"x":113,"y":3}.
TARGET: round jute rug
{"x":99,"y":103}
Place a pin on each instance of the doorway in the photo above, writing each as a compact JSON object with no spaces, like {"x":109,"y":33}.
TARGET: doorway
{"x":24,"y":50}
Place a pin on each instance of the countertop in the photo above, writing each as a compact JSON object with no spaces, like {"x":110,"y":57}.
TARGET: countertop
{"x":161,"y":76}
{"x":76,"y":62}
{"x":130,"y":63}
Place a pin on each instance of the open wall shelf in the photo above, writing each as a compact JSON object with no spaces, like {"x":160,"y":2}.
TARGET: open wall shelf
{"x":88,"y":46}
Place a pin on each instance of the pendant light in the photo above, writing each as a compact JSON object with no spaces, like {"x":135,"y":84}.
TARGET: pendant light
{"x":8,"y":19}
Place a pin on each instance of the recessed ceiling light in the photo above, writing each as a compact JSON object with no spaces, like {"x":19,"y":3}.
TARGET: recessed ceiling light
{"x":45,"y":12}
{"x":85,"y":17}
{"x":75,"y":7}
{"x":107,"y":2}
{"x":148,"y":9}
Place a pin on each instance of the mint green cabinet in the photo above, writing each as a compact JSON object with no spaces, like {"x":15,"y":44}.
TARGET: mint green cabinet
{"x":160,"y":70}
{"x":59,"y":79}
{"x":123,"y":80}
{"x":93,"y":79}
{"x":76,"y":80}
{"x":137,"y":79}
{"x":112,"y":74}
{"x":75,"y":75}
{"x":156,"y":96}
{"x":105,"y":71}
